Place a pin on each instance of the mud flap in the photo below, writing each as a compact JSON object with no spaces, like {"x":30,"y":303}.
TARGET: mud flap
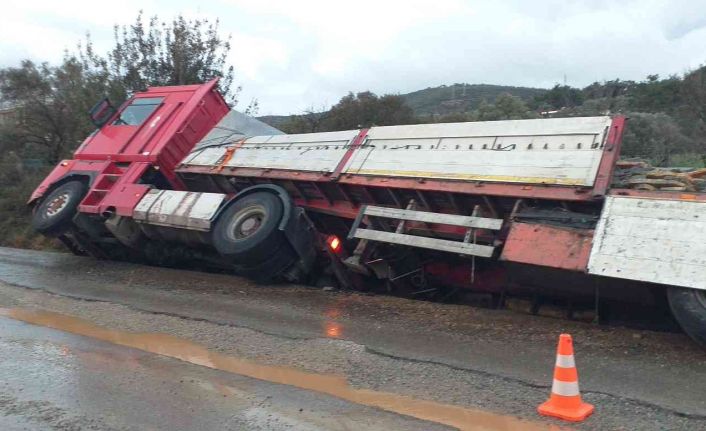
{"x":301,"y":234}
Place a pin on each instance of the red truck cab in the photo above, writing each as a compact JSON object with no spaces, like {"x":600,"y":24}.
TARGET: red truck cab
{"x":147,"y":136}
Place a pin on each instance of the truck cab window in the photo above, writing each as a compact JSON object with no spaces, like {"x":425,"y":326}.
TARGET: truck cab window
{"x":137,"y":112}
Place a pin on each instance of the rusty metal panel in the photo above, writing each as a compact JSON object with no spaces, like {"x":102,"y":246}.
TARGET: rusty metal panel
{"x":551,"y":246}
{"x":178,"y":209}
{"x":654,"y":240}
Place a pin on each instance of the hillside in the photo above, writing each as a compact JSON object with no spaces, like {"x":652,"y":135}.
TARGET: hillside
{"x":444,"y":99}
{"x":455,"y":98}
{"x":667,"y":115}
{"x":275,"y":120}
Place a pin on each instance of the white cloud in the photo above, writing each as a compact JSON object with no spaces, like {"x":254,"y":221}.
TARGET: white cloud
{"x":295,"y":54}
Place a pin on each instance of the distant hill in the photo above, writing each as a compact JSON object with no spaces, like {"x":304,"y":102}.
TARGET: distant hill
{"x":448,"y":99}
{"x":274,"y":120}
{"x":445,"y":99}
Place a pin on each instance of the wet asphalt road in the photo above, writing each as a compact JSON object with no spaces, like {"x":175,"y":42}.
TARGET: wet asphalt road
{"x":494,"y":360}
{"x":58,"y":381}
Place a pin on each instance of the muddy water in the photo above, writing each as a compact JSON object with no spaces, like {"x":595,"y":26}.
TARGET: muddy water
{"x":337,"y":386}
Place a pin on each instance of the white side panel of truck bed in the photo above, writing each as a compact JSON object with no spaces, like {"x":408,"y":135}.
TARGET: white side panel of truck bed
{"x":317,"y":152}
{"x":564,"y":151}
{"x":654,"y":240}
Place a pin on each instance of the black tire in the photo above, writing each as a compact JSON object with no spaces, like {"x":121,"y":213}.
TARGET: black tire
{"x":52,"y":217}
{"x":270,"y":270}
{"x":247,"y":231}
{"x":689,"y":308}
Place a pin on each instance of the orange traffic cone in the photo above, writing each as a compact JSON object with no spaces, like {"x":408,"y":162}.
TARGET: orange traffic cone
{"x":565,"y":399}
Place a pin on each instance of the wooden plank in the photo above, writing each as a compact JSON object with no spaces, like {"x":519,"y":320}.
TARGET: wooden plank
{"x":657,"y":241}
{"x":439,"y":218}
{"x":424,"y":242}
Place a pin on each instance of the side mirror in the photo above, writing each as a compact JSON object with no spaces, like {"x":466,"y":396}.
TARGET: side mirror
{"x":101,"y":112}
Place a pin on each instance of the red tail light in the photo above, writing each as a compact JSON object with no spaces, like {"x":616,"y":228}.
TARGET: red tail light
{"x":334,"y":243}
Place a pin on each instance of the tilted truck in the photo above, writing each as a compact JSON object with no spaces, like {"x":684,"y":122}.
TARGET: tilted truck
{"x":175,"y":174}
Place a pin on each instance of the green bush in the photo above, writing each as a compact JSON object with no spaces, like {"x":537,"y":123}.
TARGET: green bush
{"x":18,"y":184}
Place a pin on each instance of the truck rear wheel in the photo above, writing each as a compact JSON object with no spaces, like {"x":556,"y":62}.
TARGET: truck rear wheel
{"x":689,"y":308}
{"x":247,"y":231}
{"x":52,"y":217}
{"x":271,"y":269}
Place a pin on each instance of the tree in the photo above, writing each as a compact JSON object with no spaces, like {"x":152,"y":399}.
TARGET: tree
{"x":155,"y":53}
{"x":657,"y":95}
{"x":310,"y":121}
{"x":51,"y":106}
{"x":561,"y":96}
{"x":598,"y":106}
{"x":607,"y":89}
{"x":506,"y":107}
{"x":454,"y":117}
{"x":656,"y":137}
{"x":367,"y":109}
{"x":692,"y":110}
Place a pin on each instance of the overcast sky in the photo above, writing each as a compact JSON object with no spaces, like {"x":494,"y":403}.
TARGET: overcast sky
{"x":294,"y":54}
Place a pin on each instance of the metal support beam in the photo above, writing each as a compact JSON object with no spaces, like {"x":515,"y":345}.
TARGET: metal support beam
{"x":429,"y":217}
{"x":424,"y":242}
{"x":321,"y":191}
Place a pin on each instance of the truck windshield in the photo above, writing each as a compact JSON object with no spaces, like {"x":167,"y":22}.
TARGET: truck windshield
{"x":138,"y":111}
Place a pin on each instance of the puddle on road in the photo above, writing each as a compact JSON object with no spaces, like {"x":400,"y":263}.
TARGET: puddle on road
{"x":337,"y":386}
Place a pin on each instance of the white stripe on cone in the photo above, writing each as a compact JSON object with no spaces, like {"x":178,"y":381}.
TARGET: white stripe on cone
{"x":565,"y":361}
{"x":567,"y":389}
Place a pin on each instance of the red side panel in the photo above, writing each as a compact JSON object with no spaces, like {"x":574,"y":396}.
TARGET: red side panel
{"x":182,"y":116}
{"x":548,"y":246}
{"x":205,"y":109}
{"x":660,"y":194}
{"x":117,"y":190}
{"x":611,"y":154}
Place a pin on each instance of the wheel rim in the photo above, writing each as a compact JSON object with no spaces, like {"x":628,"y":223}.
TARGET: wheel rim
{"x":56,"y":205}
{"x":246,"y":222}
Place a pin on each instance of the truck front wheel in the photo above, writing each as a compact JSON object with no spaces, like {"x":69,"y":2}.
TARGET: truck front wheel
{"x":52,"y":217}
{"x":247,"y":231}
{"x":689,"y":308}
